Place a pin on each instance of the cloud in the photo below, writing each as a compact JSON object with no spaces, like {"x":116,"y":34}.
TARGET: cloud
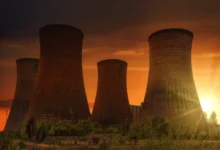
{"x":209,"y":56}
{"x":89,"y":66}
{"x":93,"y":17}
{"x":107,"y":26}
{"x":7,"y":63}
{"x":85,"y":50}
{"x":128,"y":53}
{"x":144,"y":69}
{"x":140,"y":69}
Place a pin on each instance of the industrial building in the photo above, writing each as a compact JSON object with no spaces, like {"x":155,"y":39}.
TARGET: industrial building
{"x":171,"y":91}
{"x":25,"y":84}
{"x":136,"y":113}
{"x":111,"y":102}
{"x":60,"y":87}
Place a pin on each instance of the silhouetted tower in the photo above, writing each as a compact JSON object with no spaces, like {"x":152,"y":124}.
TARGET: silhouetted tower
{"x":26,"y":74}
{"x":111,"y":103}
{"x":60,"y":86}
{"x":171,"y":92}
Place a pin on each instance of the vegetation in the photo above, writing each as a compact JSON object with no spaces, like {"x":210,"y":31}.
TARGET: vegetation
{"x":154,"y":134}
{"x":31,"y":129}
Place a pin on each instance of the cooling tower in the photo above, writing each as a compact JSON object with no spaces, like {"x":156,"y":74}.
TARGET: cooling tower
{"x":26,"y":75}
{"x":171,"y":92}
{"x":60,"y":88}
{"x":111,"y":103}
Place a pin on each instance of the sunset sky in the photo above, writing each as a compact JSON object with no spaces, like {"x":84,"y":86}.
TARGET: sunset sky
{"x":115,"y":29}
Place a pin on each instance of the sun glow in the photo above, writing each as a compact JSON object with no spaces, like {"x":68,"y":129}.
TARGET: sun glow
{"x":206,"y":104}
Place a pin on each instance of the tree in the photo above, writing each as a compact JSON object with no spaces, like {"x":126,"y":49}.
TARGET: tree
{"x":159,"y":126}
{"x":31,"y":128}
{"x":213,"y":118}
{"x":212,"y":125}
{"x":205,"y":115}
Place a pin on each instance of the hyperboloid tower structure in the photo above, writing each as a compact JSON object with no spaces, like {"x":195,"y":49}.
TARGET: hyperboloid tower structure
{"x":111,"y":102}
{"x":26,"y":78}
{"x":171,"y":91}
{"x":60,"y":88}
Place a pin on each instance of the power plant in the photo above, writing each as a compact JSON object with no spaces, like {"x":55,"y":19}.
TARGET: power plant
{"x":171,"y":91}
{"x":26,"y":74}
{"x":111,"y":102}
{"x":60,"y":88}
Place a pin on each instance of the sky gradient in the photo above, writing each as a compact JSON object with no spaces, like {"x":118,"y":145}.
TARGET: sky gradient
{"x":114,"y":29}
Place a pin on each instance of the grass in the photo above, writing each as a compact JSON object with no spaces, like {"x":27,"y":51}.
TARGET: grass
{"x":150,"y":144}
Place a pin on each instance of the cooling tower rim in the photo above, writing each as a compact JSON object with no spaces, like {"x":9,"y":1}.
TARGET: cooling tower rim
{"x":27,"y":59}
{"x":62,"y":26}
{"x":112,"y":61}
{"x":171,"y":30}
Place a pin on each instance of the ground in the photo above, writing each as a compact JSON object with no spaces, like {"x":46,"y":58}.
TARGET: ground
{"x":142,"y":145}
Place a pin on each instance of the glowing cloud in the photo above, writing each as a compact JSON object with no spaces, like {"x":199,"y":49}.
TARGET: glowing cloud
{"x":128,"y":53}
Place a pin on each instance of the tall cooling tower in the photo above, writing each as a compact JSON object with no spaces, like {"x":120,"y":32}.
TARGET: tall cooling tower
{"x":111,"y":103}
{"x":26,"y":74}
{"x":171,"y":92}
{"x":60,"y":88}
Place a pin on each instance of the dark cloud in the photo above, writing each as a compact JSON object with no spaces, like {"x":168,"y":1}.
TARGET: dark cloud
{"x":109,"y":26}
{"x":94,"y":17}
{"x":182,"y":10}
{"x":15,"y":16}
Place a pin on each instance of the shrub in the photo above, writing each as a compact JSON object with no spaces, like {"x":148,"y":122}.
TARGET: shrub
{"x":5,"y":140}
{"x":41,"y":133}
{"x":22,"y":145}
{"x":103,"y":145}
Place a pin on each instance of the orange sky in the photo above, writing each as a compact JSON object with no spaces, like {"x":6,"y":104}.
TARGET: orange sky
{"x":121,"y":32}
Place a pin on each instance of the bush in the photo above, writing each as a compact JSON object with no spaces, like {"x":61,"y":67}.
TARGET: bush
{"x":159,"y":126}
{"x":155,"y":128}
{"x":103,"y":145}
{"x":114,"y":129}
{"x":178,"y":132}
{"x":22,"y":145}
{"x":84,"y":127}
{"x":5,"y":140}
{"x":8,"y":142}
{"x":122,"y":140}
{"x":133,"y":134}
{"x":41,"y":133}
{"x":61,"y":131}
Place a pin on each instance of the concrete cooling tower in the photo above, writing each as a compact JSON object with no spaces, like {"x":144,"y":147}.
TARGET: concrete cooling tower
{"x":60,"y":91}
{"x":26,"y":74}
{"x":111,"y":103}
{"x":171,"y":92}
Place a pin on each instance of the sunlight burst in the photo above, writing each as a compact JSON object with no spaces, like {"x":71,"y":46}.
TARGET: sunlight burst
{"x":206,"y":105}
